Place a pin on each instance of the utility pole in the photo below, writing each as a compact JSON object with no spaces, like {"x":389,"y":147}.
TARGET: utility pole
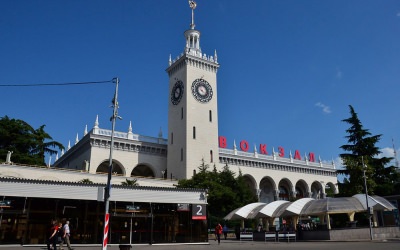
{"x":366,"y":198}
{"x":108,"y":187}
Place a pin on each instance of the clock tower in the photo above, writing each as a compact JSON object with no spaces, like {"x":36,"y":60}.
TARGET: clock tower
{"x":192,"y":109}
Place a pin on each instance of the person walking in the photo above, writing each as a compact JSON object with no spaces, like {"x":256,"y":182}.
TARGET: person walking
{"x":67,"y":234}
{"x":218,"y":232}
{"x":225,"y":231}
{"x":60,"y":235}
{"x":52,"y":235}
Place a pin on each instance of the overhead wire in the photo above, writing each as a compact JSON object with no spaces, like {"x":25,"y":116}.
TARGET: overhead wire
{"x":54,"y":84}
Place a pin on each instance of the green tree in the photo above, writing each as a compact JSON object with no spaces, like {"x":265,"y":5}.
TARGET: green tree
{"x":225,"y":191}
{"x":86,"y":181}
{"x":132,"y":183}
{"x":361,"y":148}
{"x":28,"y":145}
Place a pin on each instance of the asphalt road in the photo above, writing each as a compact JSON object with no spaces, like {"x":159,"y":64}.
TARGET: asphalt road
{"x":233,"y":244}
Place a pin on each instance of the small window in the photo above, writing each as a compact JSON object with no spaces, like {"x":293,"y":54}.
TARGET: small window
{"x":181,"y":113}
{"x":194,"y":132}
{"x":211,"y":156}
{"x":181,"y":154}
{"x":210,"y":115}
{"x":172,"y":138}
{"x":194,"y":172}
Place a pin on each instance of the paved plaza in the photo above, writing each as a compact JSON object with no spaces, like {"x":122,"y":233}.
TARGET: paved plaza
{"x":233,"y":244}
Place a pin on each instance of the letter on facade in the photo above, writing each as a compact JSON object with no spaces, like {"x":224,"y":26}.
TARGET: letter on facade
{"x":222,"y":142}
{"x":297,"y":155}
{"x":281,"y":151}
{"x":263,"y":149}
{"x":311,"y":157}
{"x":244,"y":146}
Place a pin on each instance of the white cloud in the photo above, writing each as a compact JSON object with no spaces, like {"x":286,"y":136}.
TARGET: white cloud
{"x":388,"y":152}
{"x":325,"y":109}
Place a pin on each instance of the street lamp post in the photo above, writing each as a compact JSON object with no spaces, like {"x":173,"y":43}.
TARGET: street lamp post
{"x":108,"y":187}
{"x":366,"y":198}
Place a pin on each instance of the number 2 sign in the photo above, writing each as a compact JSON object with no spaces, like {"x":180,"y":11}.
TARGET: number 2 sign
{"x":199,"y":212}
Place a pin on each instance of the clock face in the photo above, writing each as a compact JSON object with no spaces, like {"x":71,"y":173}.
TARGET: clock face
{"x":177,"y":92}
{"x":202,"y":90}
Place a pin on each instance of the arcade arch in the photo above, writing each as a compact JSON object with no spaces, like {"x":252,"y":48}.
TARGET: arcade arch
{"x":301,"y":189}
{"x":251,"y":183}
{"x":285,"y":188}
{"x":331,"y":189}
{"x":267,"y":190}
{"x":143,"y":170}
{"x":117,"y":168}
{"x":317,"y":191}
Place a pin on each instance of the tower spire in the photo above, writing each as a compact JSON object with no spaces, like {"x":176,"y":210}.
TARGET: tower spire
{"x":192,"y":5}
{"x":193,"y":36}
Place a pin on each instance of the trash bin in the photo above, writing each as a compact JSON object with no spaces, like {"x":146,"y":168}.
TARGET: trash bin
{"x":125,"y":247}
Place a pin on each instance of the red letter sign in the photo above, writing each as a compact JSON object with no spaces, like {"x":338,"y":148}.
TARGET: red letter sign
{"x":222,"y":142}
{"x":244,"y":145}
{"x":281,"y":151}
{"x":311,"y":157}
{"x":263,"y":149}
{"x":297,"y":155}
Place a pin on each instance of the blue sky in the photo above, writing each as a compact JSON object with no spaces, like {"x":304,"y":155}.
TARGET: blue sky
{"x":289,"y":69}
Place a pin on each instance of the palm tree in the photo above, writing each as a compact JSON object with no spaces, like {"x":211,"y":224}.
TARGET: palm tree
{"x":43,"y":146}
{"x":132,"y":183}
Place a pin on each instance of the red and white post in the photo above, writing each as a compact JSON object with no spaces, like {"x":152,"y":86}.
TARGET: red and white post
{"x":105,"y":238}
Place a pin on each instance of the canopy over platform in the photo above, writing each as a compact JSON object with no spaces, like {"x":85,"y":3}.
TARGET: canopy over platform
{"x":269,"y":209}
{"x":244,"y":212}
{"x":376,"y":202}
{"x":340,"y":205}
{"x":310,"y":206}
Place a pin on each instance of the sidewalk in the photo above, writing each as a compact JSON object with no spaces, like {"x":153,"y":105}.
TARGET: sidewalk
{"x":239,"y":245}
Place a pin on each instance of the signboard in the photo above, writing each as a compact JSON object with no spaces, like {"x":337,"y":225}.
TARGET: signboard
{"x":183,"y":207}
{"x":131,"y":208}
{"x":5,"y":203}
{"x":199,"y":212}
